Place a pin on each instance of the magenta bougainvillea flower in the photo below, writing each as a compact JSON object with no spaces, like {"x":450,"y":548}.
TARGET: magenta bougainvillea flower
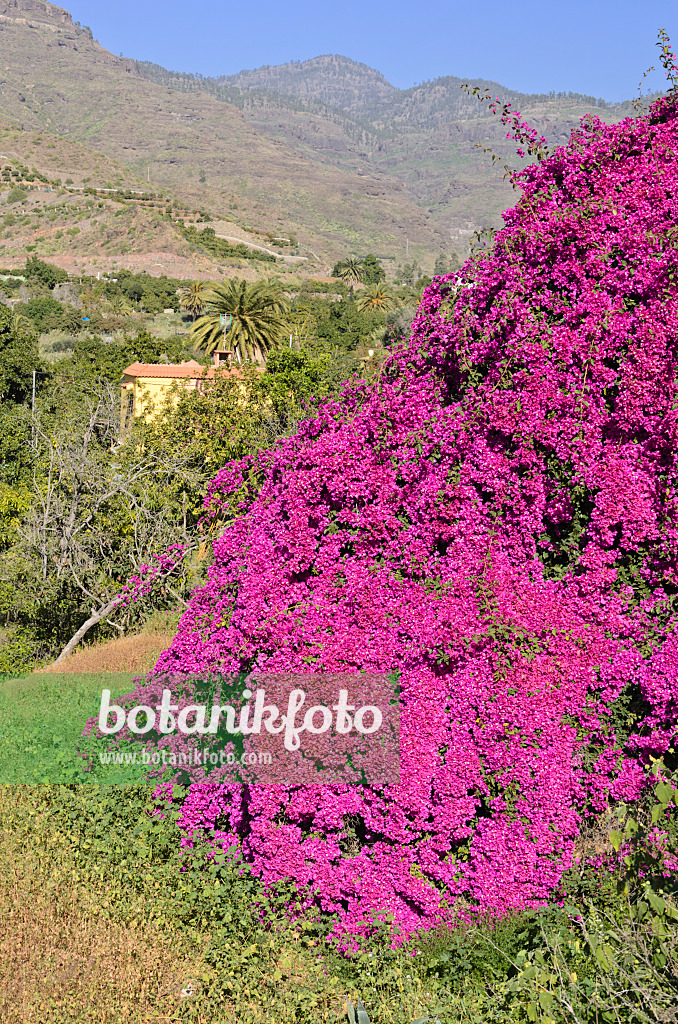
{"x":495,"y":517}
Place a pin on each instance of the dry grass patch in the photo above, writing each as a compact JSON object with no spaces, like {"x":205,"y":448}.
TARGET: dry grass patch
{"x":62,"y":960}
{"x":123,"y":654}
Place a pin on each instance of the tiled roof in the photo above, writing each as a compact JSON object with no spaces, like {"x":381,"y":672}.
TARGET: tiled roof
{"x":190,"y":369}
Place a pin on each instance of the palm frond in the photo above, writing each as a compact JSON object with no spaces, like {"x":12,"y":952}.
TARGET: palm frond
{"x":257,"y":313}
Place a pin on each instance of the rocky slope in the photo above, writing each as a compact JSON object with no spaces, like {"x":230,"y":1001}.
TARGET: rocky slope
{"x":326,"y":149}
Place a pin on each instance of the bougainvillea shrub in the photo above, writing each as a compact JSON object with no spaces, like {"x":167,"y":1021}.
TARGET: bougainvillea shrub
{"x":496,"y":518}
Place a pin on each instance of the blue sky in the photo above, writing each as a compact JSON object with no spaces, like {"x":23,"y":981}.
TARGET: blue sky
{"x":600,"y":47}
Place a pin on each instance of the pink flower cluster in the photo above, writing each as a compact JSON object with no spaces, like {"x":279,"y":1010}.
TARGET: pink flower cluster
{"x":150,"y":575}
{"x":496,"y":518}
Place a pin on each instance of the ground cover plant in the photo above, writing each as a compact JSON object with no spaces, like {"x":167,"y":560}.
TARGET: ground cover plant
{"x":496,"y":518}
{"x":95,"y":877}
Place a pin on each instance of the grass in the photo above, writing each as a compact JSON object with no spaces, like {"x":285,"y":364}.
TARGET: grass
{"x":42,"y":714}
{"x":41,"y":721}
{"x":137,"y":654}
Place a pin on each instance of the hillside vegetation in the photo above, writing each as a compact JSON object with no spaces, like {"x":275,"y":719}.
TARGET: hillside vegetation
{"x":89,"y":214}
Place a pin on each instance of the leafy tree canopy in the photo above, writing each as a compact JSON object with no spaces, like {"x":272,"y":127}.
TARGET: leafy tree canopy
{"x":341,"y":324}
{"x":445,"y":264}
{"x":42,"y":311}
{"x":18,"y":359}
{"x":373,"y":272}
{"x":45,"y":273}
{"x":94,"y":358}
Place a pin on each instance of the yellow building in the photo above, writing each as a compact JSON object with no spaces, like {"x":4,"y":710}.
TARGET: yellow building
{"x":144,"y":385}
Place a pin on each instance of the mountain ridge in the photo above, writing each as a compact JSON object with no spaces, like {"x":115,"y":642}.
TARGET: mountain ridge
{"x":342,"y":159}
{"x":295,"y":78}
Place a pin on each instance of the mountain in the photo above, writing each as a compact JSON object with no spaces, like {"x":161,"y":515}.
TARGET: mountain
{"x":335,"y":81}
{"x":363,"y":93}
{"x":429,"y":137}
{"x":54,"y":76}
{"x":326,"y":150}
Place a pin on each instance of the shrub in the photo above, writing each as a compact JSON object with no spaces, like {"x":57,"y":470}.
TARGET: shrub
{"x":17,"y":649}
{"x":496,"y":519}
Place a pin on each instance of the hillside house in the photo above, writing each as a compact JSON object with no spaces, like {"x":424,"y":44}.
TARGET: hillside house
{"x":144,"y":385}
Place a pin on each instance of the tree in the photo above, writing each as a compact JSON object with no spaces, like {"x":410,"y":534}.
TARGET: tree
{"x":408,"y":273}
{"x":45,"y":273}
{"x":18,"y":357}
{"x":98,"y":510}
{"x":20,"y":325}
{"x":194,"y":299}
{"x":151,"y":302}
{"x":117,"y":304}
{"x":294,"y":380}
{"x":94,"y":359}
{"x":440,"y":266}
{"x":71,"y":319}
{"x":350,"y":270}
{"x":445,"y":264}
{"x":341,"y":325}
{"x":18,"y":361}
{"x":399,"y":324}
{"x":376,"y":297}
{"x":44,"y":312}
{"x":373,"y":272}
{"x":257,"y":319}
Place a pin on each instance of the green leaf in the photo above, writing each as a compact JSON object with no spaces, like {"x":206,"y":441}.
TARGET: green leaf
{"x":362,"y":1013}
{"x":616,"y":838}
{"x":603,"y":955}
{"x":656,"y":902}
{"x":545,"y":1000}
{"x":664,"y":792}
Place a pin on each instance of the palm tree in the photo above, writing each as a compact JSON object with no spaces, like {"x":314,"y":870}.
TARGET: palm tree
{"x":21,"y":326}
{"x":352,"y":270}
{"x":194,"y":299}
{"x":242,"y":316}
{"x":376,"y":297}
{"x":118,"y":304}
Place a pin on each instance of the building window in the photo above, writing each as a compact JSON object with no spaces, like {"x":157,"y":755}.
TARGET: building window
{"x":129,"y":410}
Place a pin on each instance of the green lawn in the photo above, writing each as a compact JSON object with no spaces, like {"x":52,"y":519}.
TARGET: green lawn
{"x":42,"y":717}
